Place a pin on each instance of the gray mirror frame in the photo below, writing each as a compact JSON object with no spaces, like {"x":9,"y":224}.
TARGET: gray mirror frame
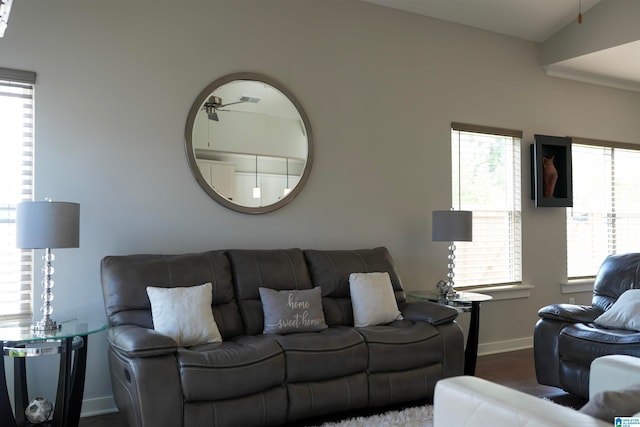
{"x":195,"y":170}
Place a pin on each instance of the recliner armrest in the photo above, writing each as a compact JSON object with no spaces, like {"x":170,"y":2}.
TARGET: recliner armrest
{"x":136,"y":341}
{"x":570,"y":313}
{"x":427,"y":311}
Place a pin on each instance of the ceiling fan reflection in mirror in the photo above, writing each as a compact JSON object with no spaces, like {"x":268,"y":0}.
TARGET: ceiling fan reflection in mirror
{"x":214,"y":104}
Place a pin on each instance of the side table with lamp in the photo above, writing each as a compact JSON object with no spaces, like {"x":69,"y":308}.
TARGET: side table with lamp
{"x":451,"y":226}
{"x":465,"y":302}
{"x":70,"y":341}
{"x":46,"y":225}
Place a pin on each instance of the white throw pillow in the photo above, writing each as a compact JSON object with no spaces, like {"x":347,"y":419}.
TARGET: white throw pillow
{"x":372,"y":299}
{"x":624,"y":313}
{"x":184,"y":314}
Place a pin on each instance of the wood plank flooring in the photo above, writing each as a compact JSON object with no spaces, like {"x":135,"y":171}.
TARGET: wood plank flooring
{"x":513,"y":369}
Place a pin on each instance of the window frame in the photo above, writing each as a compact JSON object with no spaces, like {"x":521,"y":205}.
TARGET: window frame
{"x":16,"y":280}
{"x":612,"y":212}
{"x":514,"y":215}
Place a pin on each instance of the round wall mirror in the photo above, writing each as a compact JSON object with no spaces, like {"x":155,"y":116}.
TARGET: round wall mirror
{"x":249,"y":143}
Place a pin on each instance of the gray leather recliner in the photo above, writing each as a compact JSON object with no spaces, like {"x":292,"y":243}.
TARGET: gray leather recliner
{"x":566,"y":340}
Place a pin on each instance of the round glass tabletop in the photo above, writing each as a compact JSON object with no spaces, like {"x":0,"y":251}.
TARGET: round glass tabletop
{"x":20,"y":332}
{"x":460,"y":297}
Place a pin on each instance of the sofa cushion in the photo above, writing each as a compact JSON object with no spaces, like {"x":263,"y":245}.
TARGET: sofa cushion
{"x":274,"y":269}
{"x":292,"y":311}
{"x":331,"y":353}
{"x":388,"y":388}
{"x":237,"y":367}
{"x":581,"y":344}
{"x":402,"y":345}
{"x":624,"y":313}
{"x":184,"y":314}
{"x":341,"y":394}
{"x":331,"y":269}
{"x":268,"y":408}
{"x":372,"y":299}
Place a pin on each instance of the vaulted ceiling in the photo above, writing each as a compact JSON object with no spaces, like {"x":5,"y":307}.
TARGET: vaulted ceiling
{"x":604,"y":49}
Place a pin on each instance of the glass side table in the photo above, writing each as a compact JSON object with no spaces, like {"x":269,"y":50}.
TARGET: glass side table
{"x":70,"y":342}
{"x":466,"y":302}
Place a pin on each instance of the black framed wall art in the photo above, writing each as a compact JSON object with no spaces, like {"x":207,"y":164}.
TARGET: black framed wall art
{"x":551,"y":171}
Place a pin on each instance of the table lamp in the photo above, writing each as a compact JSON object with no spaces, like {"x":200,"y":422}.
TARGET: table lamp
{"x":46,"y":225}
{"x":450,"y":226}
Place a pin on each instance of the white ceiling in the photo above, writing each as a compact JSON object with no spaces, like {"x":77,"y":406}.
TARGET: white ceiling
{"x":536,"y":20}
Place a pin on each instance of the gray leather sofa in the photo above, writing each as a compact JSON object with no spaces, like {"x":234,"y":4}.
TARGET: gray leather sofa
{"x":565,"y":338}
{"x":255,"y":379}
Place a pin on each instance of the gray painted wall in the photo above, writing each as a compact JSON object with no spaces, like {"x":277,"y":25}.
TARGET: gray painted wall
{"x":116,"y":80}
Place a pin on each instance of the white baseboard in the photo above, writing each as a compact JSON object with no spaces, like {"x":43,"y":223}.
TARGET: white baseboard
{"x":504,"y":346}
{"x":98,"y":406}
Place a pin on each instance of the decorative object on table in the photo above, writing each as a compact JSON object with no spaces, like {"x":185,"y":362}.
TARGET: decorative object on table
{"x":445,"y":289}
{"x":39,"y":410}
{"x":551,"y":171}
{"x":46,"y":225}
{"x":451,"y":226}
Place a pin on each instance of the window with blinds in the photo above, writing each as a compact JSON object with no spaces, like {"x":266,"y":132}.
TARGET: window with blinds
{"x":16,"y":185}
{"x":605,"y":217}
{"x":486,"y":181}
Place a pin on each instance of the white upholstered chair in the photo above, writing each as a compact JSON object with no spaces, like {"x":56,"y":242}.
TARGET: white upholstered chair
{"x":475,"y":402}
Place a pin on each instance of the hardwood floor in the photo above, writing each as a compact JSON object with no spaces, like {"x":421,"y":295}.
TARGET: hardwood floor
{"x":516,"y":370}
{"x":513,"y":369}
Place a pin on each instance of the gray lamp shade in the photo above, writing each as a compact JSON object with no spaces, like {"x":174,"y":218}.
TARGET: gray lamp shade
{"x":41,"y":225}
{"x":449,"y":226}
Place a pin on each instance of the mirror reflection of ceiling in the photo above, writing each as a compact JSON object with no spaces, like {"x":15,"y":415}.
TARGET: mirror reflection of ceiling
{"x":263,"y":99}
{"x":267,"y":125}
{"x":249,"y":143}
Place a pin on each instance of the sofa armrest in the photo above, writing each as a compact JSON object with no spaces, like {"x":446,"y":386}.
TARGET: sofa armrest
{"x":474,"y":402}
{"x":570,"y":313}
{"x":427,"y":311}
{"x":136,"y":341}
{"x":613,"y":372}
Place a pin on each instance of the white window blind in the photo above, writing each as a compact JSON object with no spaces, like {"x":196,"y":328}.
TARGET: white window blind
{"x":605,"y":217}
{"x":486,"y":181}
{"x":16,"y":185}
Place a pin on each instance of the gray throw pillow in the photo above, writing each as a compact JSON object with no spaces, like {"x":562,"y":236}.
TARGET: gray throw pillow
{"x":607,"y":405}
{"x":292,"y":311}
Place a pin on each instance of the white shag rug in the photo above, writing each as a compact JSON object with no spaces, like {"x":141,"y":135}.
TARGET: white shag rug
{"x":419,"y":416}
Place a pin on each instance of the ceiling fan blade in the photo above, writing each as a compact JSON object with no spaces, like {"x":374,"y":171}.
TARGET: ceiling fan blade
{"x":230,"y":103}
